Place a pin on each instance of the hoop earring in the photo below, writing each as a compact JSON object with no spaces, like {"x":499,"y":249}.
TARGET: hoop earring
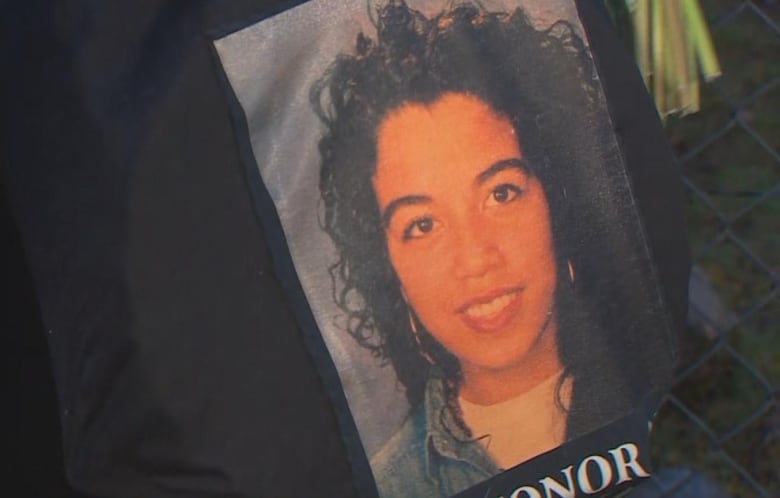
{"x":416,"y":334}
{"x":571,"y":272}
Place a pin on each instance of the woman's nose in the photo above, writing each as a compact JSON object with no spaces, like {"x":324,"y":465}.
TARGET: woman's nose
{"x":476,"y":253}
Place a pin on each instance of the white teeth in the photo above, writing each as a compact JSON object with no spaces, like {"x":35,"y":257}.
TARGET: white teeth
{"x":490,"y":308}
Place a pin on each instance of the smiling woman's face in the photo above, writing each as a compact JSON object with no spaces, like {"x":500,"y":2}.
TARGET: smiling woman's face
{"x":468,"y":232}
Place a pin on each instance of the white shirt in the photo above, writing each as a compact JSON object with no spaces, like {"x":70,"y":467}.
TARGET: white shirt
{"x":523,"y":427}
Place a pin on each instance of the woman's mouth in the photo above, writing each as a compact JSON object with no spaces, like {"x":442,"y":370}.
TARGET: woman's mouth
{"x":491,"y":312}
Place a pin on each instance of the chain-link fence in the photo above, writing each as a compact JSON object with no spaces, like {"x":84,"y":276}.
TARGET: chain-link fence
{"x":721,"y":423}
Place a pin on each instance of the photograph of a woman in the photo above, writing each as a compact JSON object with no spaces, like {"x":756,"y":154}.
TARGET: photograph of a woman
{"x":451,"y":151}
{"x":484,"y":240}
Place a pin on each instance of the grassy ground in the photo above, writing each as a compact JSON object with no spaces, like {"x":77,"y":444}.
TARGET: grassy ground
{"x":728,"y":422}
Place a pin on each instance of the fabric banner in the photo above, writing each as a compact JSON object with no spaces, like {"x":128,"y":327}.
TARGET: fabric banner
{"x":457,"y":212}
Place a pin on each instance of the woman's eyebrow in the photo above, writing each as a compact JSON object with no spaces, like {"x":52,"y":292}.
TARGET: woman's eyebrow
{"x":494,"y":169}
{"x":406,"y":200}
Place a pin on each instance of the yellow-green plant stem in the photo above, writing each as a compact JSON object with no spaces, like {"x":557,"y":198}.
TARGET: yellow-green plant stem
{"x":673,"y":45}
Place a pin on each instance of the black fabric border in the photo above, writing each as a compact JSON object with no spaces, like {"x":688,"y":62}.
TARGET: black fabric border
{"x":228,"y":23}
{"x":270,"y":223}
{"x":651,"y":169}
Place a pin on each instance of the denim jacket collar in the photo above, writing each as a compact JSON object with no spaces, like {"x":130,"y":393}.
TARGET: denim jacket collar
{"x":446,"y":440}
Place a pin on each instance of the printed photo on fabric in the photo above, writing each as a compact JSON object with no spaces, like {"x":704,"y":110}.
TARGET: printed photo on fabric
{"x":455,"y":206}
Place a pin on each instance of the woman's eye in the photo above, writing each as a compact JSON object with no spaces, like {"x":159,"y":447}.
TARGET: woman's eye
{"x":418,"y":228}
{"x":504,"y":193}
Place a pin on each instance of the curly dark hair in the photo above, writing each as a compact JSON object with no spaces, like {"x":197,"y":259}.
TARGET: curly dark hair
{"x":544,"y":82}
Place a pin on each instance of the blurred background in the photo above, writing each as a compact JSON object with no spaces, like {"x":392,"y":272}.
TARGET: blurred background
{"x":718,"y":434}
